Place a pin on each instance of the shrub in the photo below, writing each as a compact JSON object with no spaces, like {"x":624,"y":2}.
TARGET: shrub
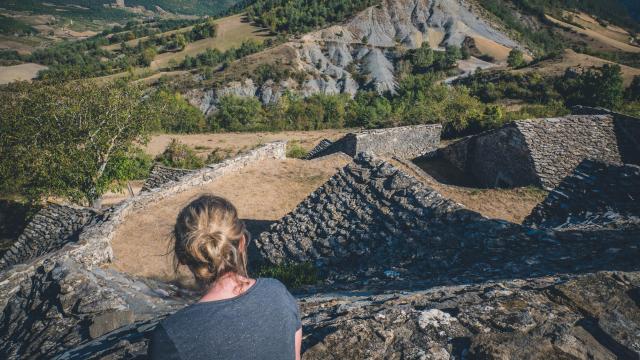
{"x":177,"y":115}
{"x":516,"y":58}
{"x":218,"y":155}
{"x":179,"y":155}
{"x":292,"y":275}
{"x":296,"y":151}
{"x":633,"y":92}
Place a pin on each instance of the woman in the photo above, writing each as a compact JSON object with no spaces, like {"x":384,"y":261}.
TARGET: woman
{"x":238,"y":317}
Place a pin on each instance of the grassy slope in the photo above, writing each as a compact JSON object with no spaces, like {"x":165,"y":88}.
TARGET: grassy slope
{"x":232,"y":31}
{"x":557,"y":67}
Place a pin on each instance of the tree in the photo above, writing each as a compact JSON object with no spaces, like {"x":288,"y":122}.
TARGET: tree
{"x":633,"y":92}
{"x":147,"y":56}
{"x":177,"y":115}
{"x":422,"y":57}
{"x":516,"y":58}
{"x":451,"y":56}
{"x":238,"y":114}
{"x":595,"y":87}
{"x":61,"y":140}
{"x":180,"y":42}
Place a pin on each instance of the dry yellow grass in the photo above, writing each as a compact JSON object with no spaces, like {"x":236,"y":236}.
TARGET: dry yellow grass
{"x":20,"y":72}
{"x":135,"y":42}
{"x":597,"y":34}
{"x":232,"y":31}
{"x":264,"y":191}
{"x":610,"y":31}
{"x":572,"y":59}
{"x":235,"y":142}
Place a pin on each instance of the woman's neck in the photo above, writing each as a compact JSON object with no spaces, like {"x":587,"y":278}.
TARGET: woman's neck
{"x":228,"y":286}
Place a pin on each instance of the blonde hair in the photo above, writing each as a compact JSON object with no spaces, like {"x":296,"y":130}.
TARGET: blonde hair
{"x":207,"y":238}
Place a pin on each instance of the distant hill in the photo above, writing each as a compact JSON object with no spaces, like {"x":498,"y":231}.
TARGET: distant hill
{"x":190,"y":7}
{"x":634,"y":8}
{"x":187,"y":7}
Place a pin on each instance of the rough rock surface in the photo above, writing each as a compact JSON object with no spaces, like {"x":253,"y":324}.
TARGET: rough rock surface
{"x":49,"y":230}
{"x":542,"y":152}
{"x":161,"y":175}
{"x":64,"y":304}
{"x":406,"y":142}
{"x":594,"y":316}
{"x":61,"y":302}
{"x":596,"y":195}
{"x":411,"y":22}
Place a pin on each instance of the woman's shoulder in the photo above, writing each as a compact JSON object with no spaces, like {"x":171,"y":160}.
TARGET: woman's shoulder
{"x":272,"y":285}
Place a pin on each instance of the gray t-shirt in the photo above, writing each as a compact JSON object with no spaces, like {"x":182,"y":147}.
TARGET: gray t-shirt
{"x":259,"y":324}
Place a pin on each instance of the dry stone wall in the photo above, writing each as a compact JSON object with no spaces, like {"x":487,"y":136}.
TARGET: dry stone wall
{"x":627,"y":130}
{"x":49,"y":230}
{"x":161,"y":175}
{"x":322,"y":146}
{"x":596,"y":195}
{"x":93,"y":246}
{"x":433,"y":279}
{"x":499,"y":158}
{"x":543,"y":151}
{"x":405,"y":142}
{"x":372,"y":225}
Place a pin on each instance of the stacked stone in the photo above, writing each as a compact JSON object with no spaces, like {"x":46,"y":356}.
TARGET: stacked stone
{"x":503,"y":290}
{"x":161,"y":175}
{"x":406,"y":142}
{"x":49,"y":230}
{"x":596,"y":195}
{"x":498,"y":158}
{"x":318,"y":149}
{"x":371,"y":223}
{"x":542,"y":152}
{"x":559,"y":145}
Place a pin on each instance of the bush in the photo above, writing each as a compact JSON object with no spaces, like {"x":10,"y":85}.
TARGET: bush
{"x":296,"y":151}
{"x":218,"y":155}
{"x":177,"y":115}
{"x":238,"y":114}
{"x":633,"y":92}
{"x":181,"y":156}
{"x":292,"y":275}
{"x":594,"y":87}
{"x":516,"y":58}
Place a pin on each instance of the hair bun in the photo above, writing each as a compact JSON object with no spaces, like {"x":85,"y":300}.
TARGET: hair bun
{"x":208,"y":238}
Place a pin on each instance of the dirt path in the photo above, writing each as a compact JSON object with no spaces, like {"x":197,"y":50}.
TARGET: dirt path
{"x":262,"y":192}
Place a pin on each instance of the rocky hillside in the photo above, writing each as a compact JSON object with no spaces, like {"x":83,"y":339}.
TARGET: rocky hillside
{"x":361,"y":53}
